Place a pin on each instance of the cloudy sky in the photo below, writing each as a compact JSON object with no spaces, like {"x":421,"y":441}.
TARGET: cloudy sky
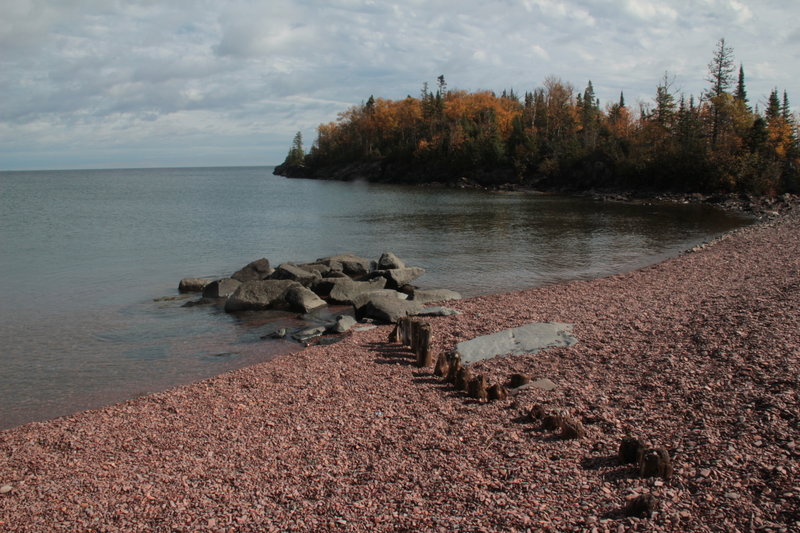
{"x":114,"y":83}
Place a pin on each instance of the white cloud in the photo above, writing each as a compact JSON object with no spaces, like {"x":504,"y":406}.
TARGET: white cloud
{"x":94,"y":77}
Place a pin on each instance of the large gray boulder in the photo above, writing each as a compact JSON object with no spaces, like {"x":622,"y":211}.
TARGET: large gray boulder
{"x":530,"y":338}
{"x":351,"y":264}
{"x":425,"y":296}
{"x":193,"y":284}
{"x":303,"y":300}
{"x":342,"y":324}
{"x":389,"y":260}
{"x":386,"y":308}
{"x":397,"y":277}
{"x":361,"y":299}
{"x":344,"y":291}
{"x":259,"y":295}
{"x":295,"y":273}
{"x":319,"y":268}
{"x":258,"y":269}
{"x":221,"y":288}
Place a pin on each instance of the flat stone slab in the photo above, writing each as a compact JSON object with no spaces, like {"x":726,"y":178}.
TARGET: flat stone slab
{"x":530,"y":338}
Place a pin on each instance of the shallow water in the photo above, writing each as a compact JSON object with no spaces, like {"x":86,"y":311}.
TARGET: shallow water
{"x":85,"y":254}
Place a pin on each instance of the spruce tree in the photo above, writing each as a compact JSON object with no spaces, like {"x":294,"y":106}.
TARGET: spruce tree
{"x":741,"y":92}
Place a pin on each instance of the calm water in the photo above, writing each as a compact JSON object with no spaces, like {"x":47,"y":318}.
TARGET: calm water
{"x":84,"y":255}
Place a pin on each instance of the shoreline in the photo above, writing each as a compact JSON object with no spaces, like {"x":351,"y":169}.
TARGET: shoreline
{"x":698,"y":353}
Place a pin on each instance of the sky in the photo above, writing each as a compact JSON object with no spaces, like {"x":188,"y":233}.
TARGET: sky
{"x":165,"y":83}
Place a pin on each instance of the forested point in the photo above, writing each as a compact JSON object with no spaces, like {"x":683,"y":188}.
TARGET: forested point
{"x":557,"y":138}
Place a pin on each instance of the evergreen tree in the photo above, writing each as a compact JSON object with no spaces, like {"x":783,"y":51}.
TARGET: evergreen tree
{"x":720,"y":75}
{"x":296,"y":154}
{"x":773,"y":105}
{"x":786,"y":111}
{"x":741,"y":92}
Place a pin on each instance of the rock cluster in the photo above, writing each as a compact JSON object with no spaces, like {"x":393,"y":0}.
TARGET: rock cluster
{"x":378,"y":290}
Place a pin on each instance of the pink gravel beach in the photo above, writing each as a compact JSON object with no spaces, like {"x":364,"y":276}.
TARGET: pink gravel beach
{"x":698,"y":354}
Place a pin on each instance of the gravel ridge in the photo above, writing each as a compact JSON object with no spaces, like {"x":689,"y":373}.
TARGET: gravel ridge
{"x":698,"y":354}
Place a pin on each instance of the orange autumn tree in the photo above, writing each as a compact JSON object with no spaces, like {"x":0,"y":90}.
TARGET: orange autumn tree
{"x":556,"y":137}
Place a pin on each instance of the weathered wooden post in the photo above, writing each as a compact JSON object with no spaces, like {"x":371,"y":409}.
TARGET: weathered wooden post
{"x":477,"y":388}
{"x":442,"y":365}
{"x":424,"y":351}
{"x":463,"y":377}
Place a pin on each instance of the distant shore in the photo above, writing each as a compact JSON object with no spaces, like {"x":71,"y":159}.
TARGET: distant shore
{"x":699,"y":354}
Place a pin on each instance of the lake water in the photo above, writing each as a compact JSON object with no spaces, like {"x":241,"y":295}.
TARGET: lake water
{"x":86,"y":255}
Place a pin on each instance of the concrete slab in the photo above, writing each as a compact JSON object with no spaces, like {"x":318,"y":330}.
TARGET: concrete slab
{"x":530,"y":338}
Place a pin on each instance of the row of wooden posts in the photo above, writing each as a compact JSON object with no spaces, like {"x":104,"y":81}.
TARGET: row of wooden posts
{"x":418,"y":336}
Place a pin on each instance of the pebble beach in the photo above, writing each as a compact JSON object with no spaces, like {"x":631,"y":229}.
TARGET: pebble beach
{"x":698,"y":354}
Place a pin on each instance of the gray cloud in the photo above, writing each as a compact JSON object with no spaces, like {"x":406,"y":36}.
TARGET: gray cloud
{"x":89,"y":79}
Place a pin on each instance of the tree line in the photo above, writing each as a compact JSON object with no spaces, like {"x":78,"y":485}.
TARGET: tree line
{"x":559,"y":138}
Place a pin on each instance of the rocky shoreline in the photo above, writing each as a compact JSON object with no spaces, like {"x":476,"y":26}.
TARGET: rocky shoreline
{"x":697,"y":355}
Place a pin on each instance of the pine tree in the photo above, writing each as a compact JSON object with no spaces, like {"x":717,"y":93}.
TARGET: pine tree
{"x":773,"y":105}
{"x":741,"y":92}
{"x":296,"y":154}
{"x":720,"y":75}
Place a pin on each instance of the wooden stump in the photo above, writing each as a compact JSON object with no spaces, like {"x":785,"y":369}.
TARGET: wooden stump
{"x":394,"y":336}
{"x":552,"y":422}
{"x":455,"y":367}
{"x":463,"y":377}
{"x":536,"y":412}
{"x":497,"y":392}
{"x":630,"y":449}
{"x":477,"y":388}
{"x":423,"y":348}
{"x":442,"y":365}
{"x":655,"y":462}
{"x":518,"y":380}
{"x":641,"y":506}
{"x":572,"y":428}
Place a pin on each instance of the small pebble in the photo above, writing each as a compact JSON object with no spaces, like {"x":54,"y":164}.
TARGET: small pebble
{"x":5,"y":489}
